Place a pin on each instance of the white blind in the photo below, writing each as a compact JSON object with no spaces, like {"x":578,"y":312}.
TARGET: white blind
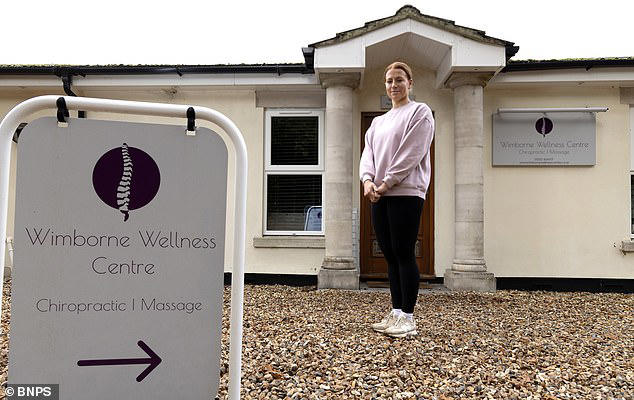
{"x":289,"y":201}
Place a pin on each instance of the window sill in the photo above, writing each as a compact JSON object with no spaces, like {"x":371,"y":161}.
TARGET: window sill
{"x":627,"y":246}
{"x":287,"y":242}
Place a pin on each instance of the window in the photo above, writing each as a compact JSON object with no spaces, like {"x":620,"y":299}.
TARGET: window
{"x":294,"y":172}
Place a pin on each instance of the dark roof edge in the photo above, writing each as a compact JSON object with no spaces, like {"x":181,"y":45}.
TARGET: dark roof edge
{"x":280,"y":69}
{"x":539,"y":65}
{"x":83,"y":70}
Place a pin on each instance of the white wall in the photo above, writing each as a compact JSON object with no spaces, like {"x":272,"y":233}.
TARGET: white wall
{"x":631,"y":137}
{"x":631,"y":132}
{"x":237,"y":104}
{"x":560,"y":221}
{"x":539,"y":221}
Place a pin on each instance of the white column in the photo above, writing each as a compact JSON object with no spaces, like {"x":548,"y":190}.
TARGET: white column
{"x":338,"y":269}
{"x":468,"y":271}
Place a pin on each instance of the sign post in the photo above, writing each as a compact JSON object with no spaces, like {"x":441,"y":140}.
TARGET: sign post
{"x":119,"y":247}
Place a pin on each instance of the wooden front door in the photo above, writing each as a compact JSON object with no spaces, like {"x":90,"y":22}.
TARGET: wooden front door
{"x":373,"y":265}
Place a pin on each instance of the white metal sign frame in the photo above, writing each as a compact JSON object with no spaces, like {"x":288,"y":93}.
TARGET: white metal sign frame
{"x":19,"y":113}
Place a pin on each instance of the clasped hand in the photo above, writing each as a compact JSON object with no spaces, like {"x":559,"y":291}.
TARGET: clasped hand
{"x":372,"y":192}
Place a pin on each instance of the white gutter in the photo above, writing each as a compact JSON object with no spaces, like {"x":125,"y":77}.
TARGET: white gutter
{"x":226,"y":80}
{"x":596,"y":76}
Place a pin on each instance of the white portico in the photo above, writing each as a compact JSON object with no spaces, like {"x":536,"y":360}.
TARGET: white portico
{"x":455,"y":62}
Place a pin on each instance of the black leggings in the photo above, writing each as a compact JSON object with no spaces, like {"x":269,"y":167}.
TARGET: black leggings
{"x":396,"y":220}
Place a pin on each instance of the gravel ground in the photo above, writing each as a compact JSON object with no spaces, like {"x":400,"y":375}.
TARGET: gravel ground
{"x":300,"y":343}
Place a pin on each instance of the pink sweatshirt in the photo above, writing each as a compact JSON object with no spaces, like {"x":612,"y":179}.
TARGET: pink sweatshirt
{"x":397,"y":150}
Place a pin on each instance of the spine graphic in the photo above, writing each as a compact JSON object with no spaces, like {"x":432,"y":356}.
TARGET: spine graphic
{"x":123,"y":191}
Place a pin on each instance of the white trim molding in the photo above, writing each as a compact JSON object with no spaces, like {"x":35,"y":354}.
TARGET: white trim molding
{"x":597,"y":76}
{"x":152,"y":80}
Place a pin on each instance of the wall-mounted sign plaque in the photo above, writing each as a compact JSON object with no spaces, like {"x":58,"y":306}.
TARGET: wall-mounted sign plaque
{"x":558,"y":138}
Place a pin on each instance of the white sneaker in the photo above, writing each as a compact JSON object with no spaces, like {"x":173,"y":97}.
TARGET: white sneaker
{"x":385,"y":323}
{"x":402,"y":327}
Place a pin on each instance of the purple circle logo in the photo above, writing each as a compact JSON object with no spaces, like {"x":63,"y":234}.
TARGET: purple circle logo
{"x":126,"y":178}
{"x":544,"y":126}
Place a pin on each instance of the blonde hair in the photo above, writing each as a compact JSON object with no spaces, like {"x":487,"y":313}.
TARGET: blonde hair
{"x":400,"y":65}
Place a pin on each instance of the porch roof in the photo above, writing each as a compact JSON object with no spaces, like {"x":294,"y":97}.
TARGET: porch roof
{"x":412,"y":12}
{"x":434,"y":43}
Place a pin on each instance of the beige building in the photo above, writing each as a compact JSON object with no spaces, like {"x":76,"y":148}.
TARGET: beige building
{"x":540,"y":214}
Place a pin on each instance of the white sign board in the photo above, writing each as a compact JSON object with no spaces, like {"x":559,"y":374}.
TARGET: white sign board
{"x":119,"y":259}
{"x":536,"y":139}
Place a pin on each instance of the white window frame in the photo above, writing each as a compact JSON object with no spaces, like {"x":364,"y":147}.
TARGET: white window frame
{"x":269,"y":169}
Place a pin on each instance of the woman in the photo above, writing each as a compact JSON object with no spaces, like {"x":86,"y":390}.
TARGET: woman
{"x":395,"y":170}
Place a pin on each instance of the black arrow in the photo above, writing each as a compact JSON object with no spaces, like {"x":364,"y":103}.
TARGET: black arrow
{"x":153,"y":361}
